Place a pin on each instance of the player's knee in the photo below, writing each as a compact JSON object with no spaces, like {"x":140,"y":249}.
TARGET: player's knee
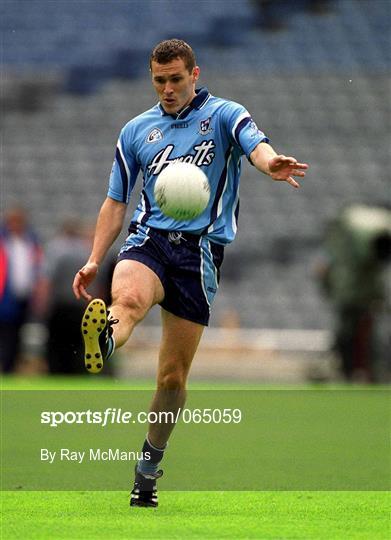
{"x":173,"y":381}
{"x":132,"y":302}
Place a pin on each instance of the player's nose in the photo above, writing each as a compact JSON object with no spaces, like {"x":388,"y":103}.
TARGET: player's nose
{"x":168,"y":89}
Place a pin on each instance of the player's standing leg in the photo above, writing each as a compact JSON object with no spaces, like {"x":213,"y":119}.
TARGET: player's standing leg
{"x":179,"y":343}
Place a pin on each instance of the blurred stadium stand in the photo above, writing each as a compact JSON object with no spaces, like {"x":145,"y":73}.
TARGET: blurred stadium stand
{"x":75,"y":71}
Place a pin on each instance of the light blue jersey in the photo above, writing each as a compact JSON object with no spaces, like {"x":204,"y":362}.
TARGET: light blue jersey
{"x":212,"y":133}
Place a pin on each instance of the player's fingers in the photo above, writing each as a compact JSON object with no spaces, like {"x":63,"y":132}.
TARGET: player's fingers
{"x":290,"y":160}
{"x":292,"y":182}
{"x":75,"y":287}
{"x":83,"y":277}
{"x":76,"y":292}
{"x":277,"y":160}
{"x":84,"y":293}
{"x":298,"y":173}
{"x":301,"y":166}
{"x":87,"y":274}
{"x":79,"y":287}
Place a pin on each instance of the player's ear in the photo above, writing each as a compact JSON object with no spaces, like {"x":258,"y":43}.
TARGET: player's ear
{"x":196,"y":73}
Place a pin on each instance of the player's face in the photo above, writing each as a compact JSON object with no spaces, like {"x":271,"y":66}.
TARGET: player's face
{"x":174,"y":85}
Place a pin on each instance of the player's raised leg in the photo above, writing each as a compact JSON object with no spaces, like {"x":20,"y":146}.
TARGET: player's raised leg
{"x":179,"y":343}
{"x":135,"y":289}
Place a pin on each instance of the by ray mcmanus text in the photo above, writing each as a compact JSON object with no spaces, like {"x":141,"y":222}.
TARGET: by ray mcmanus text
{"x":91,"y":454}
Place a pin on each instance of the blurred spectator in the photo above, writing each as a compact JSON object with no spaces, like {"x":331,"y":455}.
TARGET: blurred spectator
{"x":271,"y":15}
{"x":67,"y":252}
{"x":275,"y":15}
{"x":319,"y":7}
{"x":21,"y":282}
{"x":354,"y":277}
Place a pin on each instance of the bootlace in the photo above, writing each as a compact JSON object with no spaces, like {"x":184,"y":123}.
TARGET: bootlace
{"x":110,"y":323}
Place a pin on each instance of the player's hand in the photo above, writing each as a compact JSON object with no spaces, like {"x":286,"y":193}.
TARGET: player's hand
{"x":283,"y":168}
{"x":83,"y":279}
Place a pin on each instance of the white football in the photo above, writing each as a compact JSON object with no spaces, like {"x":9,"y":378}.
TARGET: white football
{"x":182,"y":191}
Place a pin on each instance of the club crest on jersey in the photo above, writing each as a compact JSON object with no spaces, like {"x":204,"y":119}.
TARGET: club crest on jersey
{"x":205,"y":126}
{"x":154,"y":136}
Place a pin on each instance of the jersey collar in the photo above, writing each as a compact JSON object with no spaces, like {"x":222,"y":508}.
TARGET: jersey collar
{"x":202,"y":96}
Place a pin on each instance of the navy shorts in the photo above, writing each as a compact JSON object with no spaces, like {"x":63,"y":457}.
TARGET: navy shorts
{"x":187,"y":265}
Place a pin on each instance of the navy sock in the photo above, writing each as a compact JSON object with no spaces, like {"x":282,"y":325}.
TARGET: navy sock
{"x":150,"y":466}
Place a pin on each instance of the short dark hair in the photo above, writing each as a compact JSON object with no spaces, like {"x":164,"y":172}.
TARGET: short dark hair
{"x":170,"y":49}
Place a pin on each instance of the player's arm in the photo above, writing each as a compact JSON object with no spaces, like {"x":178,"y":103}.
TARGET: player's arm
{"x":108,"y":227}
{"x":279,"y":167}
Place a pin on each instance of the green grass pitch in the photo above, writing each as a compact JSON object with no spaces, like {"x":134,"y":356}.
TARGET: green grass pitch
{"x":202,"y":515}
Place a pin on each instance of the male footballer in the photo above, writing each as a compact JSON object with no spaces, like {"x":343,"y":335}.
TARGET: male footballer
{"x":175,"y":264}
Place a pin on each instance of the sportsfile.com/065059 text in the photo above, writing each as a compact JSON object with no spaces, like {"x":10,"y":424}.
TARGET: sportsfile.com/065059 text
{"x":118,"y":416}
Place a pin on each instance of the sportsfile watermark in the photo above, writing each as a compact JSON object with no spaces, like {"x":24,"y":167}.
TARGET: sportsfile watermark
{"x":283,"y":439}
{"x":112,"y":415}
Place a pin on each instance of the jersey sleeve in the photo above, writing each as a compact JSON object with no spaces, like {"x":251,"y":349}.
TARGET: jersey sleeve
{"x":124,"y":171}
{"x":243,"y":131}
